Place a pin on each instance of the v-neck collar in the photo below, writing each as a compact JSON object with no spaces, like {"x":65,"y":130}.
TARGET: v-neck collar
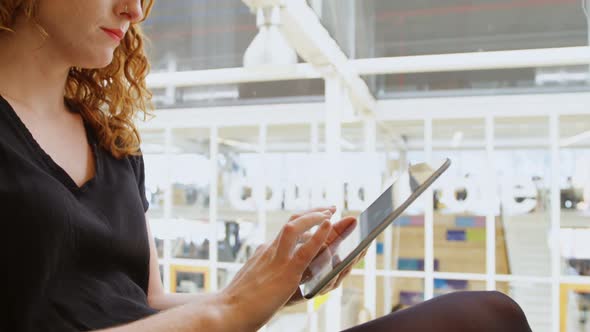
{"x":56,"y":169}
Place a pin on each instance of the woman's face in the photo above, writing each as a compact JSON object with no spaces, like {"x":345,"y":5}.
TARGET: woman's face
{"x":84,"y":32}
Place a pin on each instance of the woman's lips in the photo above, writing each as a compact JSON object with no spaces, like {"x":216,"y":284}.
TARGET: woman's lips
{"x":113,"y":34}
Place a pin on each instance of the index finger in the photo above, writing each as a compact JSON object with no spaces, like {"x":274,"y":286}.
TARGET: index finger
{"x":293,"y":229}
{"x":318,"y":209}
{"x":340,"y":230}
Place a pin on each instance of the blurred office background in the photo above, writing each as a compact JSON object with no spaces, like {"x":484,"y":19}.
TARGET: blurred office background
{"x":266,"y":107}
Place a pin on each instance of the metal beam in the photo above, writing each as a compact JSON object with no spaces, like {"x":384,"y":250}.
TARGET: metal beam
{"x":232,"y":75}
{"x":253,"y":4}
{"x":564,"y":56}
{"x":387,"y":110}
{"x":479,"y":106}
{"x":350,"y":69}
{"x":235,"y":116}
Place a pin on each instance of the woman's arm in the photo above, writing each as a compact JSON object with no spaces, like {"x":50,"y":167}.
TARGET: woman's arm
{"x":157,"y":298}
{"x":169,"y":301}
{"x":188,"y":312}
{"x":210,"y":314}
{"x":257,"y":292}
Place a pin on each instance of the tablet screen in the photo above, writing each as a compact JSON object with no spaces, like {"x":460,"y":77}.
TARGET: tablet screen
{"x":350,"y":241}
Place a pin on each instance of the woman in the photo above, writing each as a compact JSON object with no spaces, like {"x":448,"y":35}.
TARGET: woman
{"x":77,"y":248}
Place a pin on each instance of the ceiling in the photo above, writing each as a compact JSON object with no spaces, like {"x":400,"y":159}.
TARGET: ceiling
{"x":206,"y":34}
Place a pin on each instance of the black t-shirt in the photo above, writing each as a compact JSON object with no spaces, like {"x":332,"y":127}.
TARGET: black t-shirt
{"x":73,"y":258}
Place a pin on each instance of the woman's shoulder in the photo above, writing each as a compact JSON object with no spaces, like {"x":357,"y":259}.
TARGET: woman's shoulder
{"x":137,"y":164}
{"x":139,"y":169}
{"x":136,"y":159}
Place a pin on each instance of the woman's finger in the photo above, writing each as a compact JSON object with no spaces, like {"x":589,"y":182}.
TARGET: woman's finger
{"x":360,"y":257}
{"x":336,"y":282}
{"x":305,"y":237}
{"x":340,"y":230}
{"x":259,"y":249}
{"x":329,"y":287}
{"x":363,"y":254}
{"x":319,"y":209}
{"x":321,"y":259}
{"x":307,"y":251}
{"x":347,"y":270}
{"x":342,"y":275}
{"x":287,"y":239}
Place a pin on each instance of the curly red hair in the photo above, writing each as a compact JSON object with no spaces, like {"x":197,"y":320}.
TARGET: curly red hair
{"x":108,"y":98}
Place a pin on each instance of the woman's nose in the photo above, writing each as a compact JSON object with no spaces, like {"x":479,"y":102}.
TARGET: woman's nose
{"x":132,"y":10}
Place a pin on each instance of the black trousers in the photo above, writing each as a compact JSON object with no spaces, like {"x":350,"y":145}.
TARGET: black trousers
{"x":457,"y":312}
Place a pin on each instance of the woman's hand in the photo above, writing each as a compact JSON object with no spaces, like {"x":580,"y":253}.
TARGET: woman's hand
{"x":297,"y":297}
{"x":338,"y":232}
{"x":269,"y":279}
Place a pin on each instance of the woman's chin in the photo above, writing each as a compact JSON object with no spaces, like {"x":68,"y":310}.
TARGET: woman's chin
{"x":98,"y":62}
{"x":105,"y":61}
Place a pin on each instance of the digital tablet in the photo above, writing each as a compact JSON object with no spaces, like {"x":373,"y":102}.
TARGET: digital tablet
{"x":390,"y":205}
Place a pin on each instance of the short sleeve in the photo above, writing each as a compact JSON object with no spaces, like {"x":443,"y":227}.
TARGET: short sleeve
{"x":139,"y":169}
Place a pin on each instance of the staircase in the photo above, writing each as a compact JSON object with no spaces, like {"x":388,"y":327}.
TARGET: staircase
{"x":529,"y":254}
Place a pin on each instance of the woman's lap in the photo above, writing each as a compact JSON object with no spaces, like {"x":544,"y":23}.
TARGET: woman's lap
{"x":461,"y":311}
